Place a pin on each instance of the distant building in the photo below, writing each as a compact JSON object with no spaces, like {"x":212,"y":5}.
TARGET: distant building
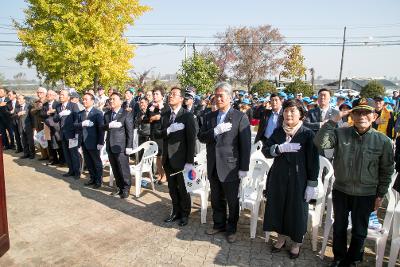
{"x":358,"y":84}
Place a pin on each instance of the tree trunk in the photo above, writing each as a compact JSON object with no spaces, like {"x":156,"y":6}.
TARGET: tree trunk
{"x":95,"y":82}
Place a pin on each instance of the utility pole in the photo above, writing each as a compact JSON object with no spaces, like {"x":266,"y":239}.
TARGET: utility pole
{"x":186,"y":53}
{"x":341,"y":62}
{"x":312,"y":71}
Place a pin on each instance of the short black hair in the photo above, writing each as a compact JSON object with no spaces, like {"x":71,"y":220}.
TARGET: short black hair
{"x":325,"y":90}
{"x":159,"y":88}
{"x":117,"y":94}
{"x":295,"y":103}
{"x":89,"y":94}
{"x":144,"y":98}
{"x":273,"y":95}
{"x":13,"y":92}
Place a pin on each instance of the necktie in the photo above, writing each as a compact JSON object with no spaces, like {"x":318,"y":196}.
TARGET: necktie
{"x":172,"y":118}
{"x":85,"y":115}
{"x":113,"y":115}
{"x":62,"y":107}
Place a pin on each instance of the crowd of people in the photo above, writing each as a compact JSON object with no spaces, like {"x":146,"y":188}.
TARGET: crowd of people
{"x":357,"y":134}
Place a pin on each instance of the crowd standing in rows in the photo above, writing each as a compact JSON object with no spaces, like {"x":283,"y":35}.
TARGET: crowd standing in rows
{"x":357,"y":134}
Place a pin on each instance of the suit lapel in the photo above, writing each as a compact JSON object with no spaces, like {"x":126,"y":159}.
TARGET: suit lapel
{"x":319,"y":114}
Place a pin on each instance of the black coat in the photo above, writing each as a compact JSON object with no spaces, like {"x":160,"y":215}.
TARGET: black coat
{"x":68,"y":130}
{"x":179,"y":146}
{"x":91,"y":136}
{"x":228,"y":152}
{"x":118,"y":139}
{"x":55,"y":129}
{"x":264,"y":122}
{"x":286,"y":211}
{"x":313,"y":118}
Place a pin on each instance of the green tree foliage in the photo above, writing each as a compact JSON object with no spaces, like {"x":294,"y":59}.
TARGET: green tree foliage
{"x":294,"y":63}
{"x":200,"y":72}
{"x":372,"y":89}
{"x":79,"y":42}
{"x":263,"y":87}
{"x":2,"y":78}
{"x":299,"y":86}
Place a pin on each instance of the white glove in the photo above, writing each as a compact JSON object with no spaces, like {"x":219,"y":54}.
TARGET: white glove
{"x":188,"y":167}
{"x":289,"y":147}
{"x":128,"y":151}
{"x":114,"y":125}
{"x":310,"y":193}
{"x":65,"y":112}
{"x":174,"y":127}
{"x":242,"y":174}
{"x":99,"y":147}
{"x":222,"y":128}
{"x":87,"y":123}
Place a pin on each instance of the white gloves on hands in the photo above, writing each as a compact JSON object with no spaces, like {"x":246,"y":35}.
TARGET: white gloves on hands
{"x":174,"y":127}
{"x":222,"y":128}
{"x":65,"y":112}
{"x":114,"y":125}
{"x":310,"y":193}
{"x":99,"y":147}
{"x":129,"y":151}
{"x":289,"y":147}
{"x":87,"y":123}
{"x":242,"y":174}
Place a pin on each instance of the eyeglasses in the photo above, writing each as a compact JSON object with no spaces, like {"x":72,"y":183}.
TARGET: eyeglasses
{"x":174,"y":95}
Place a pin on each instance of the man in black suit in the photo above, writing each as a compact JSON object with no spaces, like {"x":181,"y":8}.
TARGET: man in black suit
{"x":66,"y":114}
{"x":129,"y":103}
{"x":228,"y":137}
{"x":270,"y":119}
{"x":317,"y":117}
{"x":178,"y":130}
{"x":47,"y":113}
{"x":90,"y":123}
{"x":13,"y":130}
{"x":119,"y":143}
{"x":4,"y":118}
{"x":25,"y":127}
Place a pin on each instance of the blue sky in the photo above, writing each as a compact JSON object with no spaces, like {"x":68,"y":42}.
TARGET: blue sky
{"x":298,"y":21}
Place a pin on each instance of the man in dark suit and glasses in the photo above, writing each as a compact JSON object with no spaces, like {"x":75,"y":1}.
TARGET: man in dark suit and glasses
{"x":119,"y":143}
{"x":25,"y":127}
{"x":178,"y":130}
{"x":270,"y":119}
{"x":66,"y":114}
{"x":90,"y":123}
{"x":227,"y":135}
{"x":11,"y":107}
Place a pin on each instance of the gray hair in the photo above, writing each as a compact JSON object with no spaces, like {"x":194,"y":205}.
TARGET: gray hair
{"x":42,"y":89}
{"x":225,"y":86}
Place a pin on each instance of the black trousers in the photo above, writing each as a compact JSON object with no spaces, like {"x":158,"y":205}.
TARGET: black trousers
{"x":360,"y":207}
{"x":72,"y":157}
{"x":56,"y":154}
{"x":120,"y":166}
{"x":17,"y":136}
{"x":223,"y":193}
{"x":93,"y":163}
{"x":181,"y":204}
{"x":27,"y":143}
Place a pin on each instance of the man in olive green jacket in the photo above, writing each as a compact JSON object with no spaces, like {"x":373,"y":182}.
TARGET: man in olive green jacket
{"x":363,"y":165}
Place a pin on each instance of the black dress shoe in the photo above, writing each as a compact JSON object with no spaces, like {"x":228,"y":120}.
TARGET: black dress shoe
{"x":32,"y":156}
{"x":276,"y":249}
{"x":68,"y":174}
{"x":77,"y":177}
{"x":172,"y":217}
{"x":124,"y":195}
{"x":19,"y":151}
{"x":24,"y":157}
{"x":41,"y":159}
{"x":95,"y":186}
{"x":89,"y":183}
{"x":293,"y":255}
{"x":184,"y":221}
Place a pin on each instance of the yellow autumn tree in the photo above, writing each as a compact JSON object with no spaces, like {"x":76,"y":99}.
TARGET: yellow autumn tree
{"x":79,"y":42}
{"x":294,"y":63}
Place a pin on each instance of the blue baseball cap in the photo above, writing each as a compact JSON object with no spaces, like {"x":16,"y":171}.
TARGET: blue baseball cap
{"x":246,"y":101}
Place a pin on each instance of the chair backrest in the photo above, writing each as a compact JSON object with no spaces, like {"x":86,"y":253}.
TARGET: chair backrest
{"x":201,"y":157}
{"x":150,"y":150}
{"x":256,"y":147}
{"x":323,"y":182}
{"x":257,"y":174}
{"x":387,"y":221}
{"x":199,"y":181}
{"x":396,"y":222}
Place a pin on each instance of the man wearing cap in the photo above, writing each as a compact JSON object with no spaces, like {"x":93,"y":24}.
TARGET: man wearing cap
{"x":66,"y":114}
{"x":271,"y":119}
{"x":385,"y":120}
{"x":363,"y":166}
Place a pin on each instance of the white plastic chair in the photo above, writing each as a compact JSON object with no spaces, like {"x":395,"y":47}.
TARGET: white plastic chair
{"x":395,"y":245}
{"x":145,"y":165}
{"x":251,"y":190}
{"x":199,"y":186}
{"x":201,"y":157}
{"x":106,"y":163}
{"x":379,"y":236}
{"x":316,"y":211}
{"x":256,"y":147}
